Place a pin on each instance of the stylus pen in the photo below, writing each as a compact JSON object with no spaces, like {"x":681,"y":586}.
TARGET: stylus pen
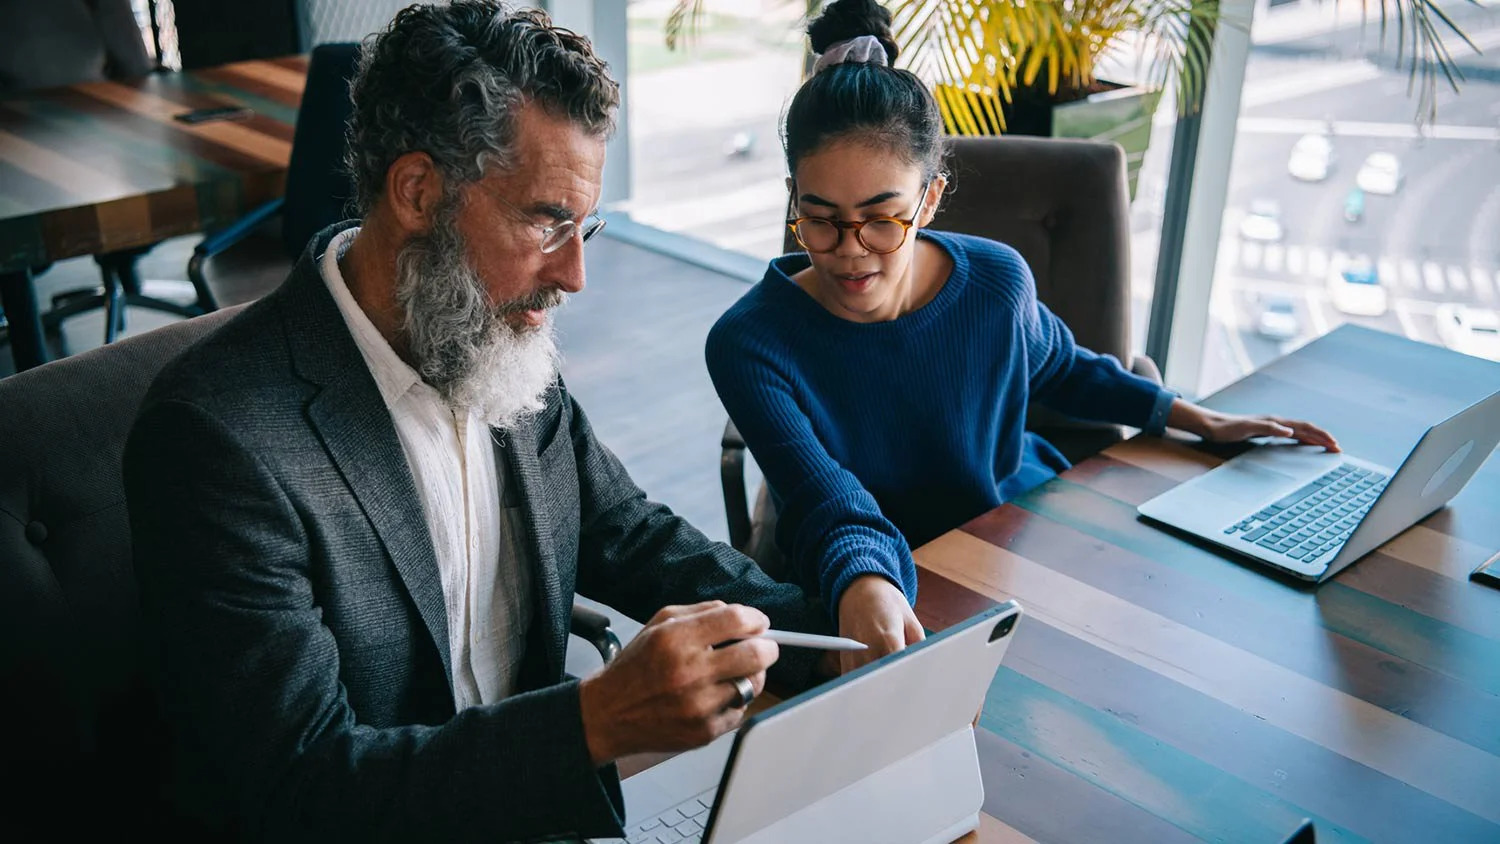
{"x":812,"y":640}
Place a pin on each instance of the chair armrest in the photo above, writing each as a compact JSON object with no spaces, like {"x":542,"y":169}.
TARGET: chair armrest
{"x":1146,"y":368}
{"x":732,"y":477}
{"x":216,"y":242}
{"x":593,"y":627}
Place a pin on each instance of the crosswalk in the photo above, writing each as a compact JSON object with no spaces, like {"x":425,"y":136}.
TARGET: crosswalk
{"x":1409,"y":276}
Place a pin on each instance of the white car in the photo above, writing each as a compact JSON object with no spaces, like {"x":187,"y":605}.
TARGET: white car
{"x":1473,"y":331}
{"x":1263,"y":223}
{"x":1380,"y":174}
{"x":1354,"y":287}
{"x":1278,"y":320}
{"x":1312,"y":158}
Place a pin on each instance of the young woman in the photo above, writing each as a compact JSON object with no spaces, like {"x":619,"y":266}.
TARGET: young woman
{"x":881,"y":380}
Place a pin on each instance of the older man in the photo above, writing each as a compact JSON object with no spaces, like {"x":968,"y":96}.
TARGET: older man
{"x":361,"y":509}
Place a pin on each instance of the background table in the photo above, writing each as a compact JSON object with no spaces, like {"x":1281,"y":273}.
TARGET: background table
{"x":1160,"y":691}
{"x":102,"y":166}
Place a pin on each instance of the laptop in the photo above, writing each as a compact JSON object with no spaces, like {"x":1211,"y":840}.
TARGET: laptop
{"x":883,"y":754}
{"x":1310,"y":513}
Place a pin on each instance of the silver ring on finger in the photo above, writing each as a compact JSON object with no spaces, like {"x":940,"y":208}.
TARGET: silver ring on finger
{"x":744,"y":690}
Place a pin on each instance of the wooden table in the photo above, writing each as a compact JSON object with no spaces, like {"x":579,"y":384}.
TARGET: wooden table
{"x":102,"y":166}
{"x":1159,"y":691}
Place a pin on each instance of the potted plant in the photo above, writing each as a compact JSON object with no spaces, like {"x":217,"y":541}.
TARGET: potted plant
{"x":1032,"y":67}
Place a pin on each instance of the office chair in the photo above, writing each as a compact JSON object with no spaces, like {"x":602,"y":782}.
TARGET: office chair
{"x":86,"y":730}
{"x":249,"y":256}
{"x":1064,"y":205}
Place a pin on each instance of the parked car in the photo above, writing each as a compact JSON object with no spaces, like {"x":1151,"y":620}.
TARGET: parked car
{"x":1312,"y":158}
{"x":1263,"y":222}
{"x":1354,"y":287}
{"x":1380,"y":174}
{"x":1278,"y":320}
{"x":1473,"y":331}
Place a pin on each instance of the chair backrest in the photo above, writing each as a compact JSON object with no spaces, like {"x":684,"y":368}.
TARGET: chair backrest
{"x":318,"y":186}
{"x":64,"y":42}
{"x":83,"y":720}
{"x":1064,"y":205}
{"x":213,"y":32}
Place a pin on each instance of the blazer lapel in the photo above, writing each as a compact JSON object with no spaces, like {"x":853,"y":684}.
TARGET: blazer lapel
{"x":520,"y":449}
{"x":355,"y":426}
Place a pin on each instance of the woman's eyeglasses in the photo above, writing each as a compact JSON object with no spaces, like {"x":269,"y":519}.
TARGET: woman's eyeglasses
{"x":881,"y":235}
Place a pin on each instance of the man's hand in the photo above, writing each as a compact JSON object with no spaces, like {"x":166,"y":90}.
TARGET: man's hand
{"x":872,"y":610}
{"x":1214,"y":426}
{"x":670,"y":688}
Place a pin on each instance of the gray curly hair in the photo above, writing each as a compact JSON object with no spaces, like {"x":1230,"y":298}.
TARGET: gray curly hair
{"x":448,"y":80}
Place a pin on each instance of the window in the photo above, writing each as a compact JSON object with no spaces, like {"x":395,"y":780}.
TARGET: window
{"x":704,"y":123}
{"x":1339,"y":210}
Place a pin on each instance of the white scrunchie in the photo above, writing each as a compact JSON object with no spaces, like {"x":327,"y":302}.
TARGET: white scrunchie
{"x":865,"y":48}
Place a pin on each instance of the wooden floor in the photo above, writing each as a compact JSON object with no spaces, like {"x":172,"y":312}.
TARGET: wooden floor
{"x":633,"y":355}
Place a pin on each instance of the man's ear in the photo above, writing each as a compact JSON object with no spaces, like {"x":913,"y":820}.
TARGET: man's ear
{"x":933,"y":199}
{"x":413,"y":189}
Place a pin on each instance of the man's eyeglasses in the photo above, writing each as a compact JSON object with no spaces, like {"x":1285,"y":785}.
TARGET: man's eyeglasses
{"x":881,"y":235}
{"x":554,"y":236}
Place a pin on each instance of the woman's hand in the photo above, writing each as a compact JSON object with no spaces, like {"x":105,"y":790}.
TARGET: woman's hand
{"x":1214,"y":426}
{"x":872,"y":610}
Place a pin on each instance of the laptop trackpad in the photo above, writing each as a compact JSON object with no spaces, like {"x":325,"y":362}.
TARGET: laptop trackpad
{"x":1243,"y":480}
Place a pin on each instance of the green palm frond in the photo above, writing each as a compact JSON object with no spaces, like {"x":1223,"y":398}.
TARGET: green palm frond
{"x":976,"y":53}
{"x":682,"y":22}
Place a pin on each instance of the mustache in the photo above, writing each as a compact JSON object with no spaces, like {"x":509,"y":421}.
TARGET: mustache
{"x":541,"y":300}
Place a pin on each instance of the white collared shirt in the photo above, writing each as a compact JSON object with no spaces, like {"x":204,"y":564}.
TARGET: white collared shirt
{"x":481,"y":559}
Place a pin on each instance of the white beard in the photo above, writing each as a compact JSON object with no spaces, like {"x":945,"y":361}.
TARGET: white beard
{"x":462,"y":345}
{"x":510,"y":377}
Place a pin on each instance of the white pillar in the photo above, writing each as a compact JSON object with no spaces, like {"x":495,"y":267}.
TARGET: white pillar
{"x":1209,"y":190}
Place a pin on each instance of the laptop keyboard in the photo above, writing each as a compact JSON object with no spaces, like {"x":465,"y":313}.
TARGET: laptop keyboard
{"x":684,"y":822}
{"x":1315,"y":519}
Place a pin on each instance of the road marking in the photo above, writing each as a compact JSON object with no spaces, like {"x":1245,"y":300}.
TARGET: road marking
{"x":1458,"y":279}
{"x":1290,"y":85}
{"x":1317,"y":262}
{"x":1250,"y":255}
{"x":1362,"y":129}
{"x":1410,"y":277}
{"x":1481,"y":278}
{"x":1408,"y":325}
{"x":1273,"y":258}
{"x":1432,"y":274}
{"x":1387,"y":270}
{"x":1294,"y":259}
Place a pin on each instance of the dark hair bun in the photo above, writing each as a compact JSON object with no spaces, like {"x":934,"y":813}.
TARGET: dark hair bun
{"x":845,"y":19}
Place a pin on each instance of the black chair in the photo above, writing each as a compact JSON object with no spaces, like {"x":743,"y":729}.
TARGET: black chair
{"x":77,"y":693}
{"x":252,"y":255}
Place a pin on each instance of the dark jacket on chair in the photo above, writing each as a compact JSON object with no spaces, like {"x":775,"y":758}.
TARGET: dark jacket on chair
{"x":288,"y":576}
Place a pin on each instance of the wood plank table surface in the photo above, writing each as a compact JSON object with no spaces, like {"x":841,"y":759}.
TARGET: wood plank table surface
{"x":103,"y":166}
{"x":1160,"y":691}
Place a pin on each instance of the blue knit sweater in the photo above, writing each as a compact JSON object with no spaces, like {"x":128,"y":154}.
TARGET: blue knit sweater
{"x":876,"y":437}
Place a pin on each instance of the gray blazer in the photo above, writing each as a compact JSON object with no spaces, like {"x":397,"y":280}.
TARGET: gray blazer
{"x":293,"y":595}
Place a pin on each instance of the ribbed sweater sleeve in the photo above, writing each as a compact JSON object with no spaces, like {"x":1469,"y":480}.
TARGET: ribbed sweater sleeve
{"x":1067,"y":377}
{"x":829,"y":525}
